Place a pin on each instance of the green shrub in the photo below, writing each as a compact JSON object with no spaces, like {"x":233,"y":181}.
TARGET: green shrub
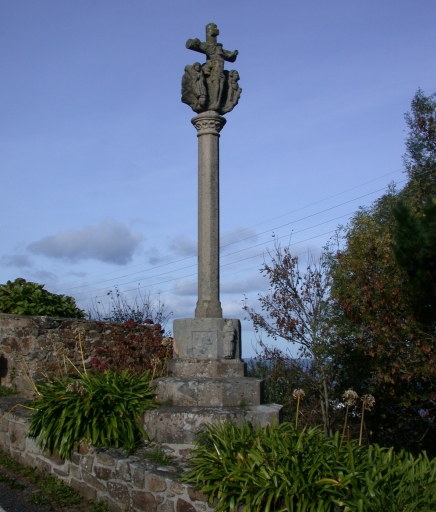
{"x":23,"y":298}
{"x":101,"y":408}
{"x":281,"y":469}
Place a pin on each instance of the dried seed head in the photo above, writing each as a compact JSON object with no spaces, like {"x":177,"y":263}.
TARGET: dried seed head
{"x":167,"y":342}
{"x":368,"y":402}
{"x":298,"y":393}
{"x":350,"y":397}
{"x":76,"y":387}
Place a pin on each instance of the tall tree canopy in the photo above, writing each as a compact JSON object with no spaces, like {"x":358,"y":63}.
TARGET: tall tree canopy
{"x":384,"y":290}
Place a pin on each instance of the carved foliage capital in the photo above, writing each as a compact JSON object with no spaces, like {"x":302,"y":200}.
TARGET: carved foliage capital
{"x":208,"y":123}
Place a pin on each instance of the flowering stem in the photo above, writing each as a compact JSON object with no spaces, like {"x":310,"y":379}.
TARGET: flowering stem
{"x":345,"y":426}
{"x":296,"y":417}
{"x":361,"y":423}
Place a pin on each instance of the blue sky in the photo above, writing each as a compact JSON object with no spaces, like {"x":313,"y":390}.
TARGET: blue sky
{"x":98,"y":158}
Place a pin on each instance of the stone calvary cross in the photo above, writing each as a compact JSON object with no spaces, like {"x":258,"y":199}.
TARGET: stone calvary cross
{"x":207,"y":380}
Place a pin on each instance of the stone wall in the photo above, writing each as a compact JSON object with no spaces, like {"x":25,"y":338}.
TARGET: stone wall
{"x":126,"y":483}
{"x":37,"y":345}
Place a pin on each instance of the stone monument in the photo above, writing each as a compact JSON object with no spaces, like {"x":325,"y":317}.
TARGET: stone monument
{"x":207,"y":381}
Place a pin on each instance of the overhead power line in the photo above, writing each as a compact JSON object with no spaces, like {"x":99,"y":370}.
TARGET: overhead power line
{"x":62,"y":287}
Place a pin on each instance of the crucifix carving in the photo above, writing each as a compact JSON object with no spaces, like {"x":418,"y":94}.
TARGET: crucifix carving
{"x":210,"y":87}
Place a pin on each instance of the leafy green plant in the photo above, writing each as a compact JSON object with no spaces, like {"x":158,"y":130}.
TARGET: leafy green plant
{"x":102,"y":408}
{"x":281,"y":468}
{"x":23,"y":298}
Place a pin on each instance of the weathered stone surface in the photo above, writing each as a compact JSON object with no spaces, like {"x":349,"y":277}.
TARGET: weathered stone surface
{"x":123,"y":470}
{"x":210,"y":86}
{"x":196,"y":495}
{"x":105,"y":458}
{"x":144,"y":501}
{"x":155,"y":483}
{"x":76,"y":458}
{"x":184,"y":506}
{"x":92,"y":481}
{"x":174,"y":424}
{"x":138,"y":474}
{"x":103,"y":473}
{"x":36,"y":342}
{"x":83,"y":489}
{"x":168,"y":506}
{"x":119,"y":492}
{"x":177,"y":487}
{"x":207,"y":338}
{"x":61,"y":474}
{"x":201,"y":368}
{"x":87,"y":462}
{"x":209,"y":392}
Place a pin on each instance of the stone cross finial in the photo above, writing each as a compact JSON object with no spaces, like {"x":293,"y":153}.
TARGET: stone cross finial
{"x":209,"y":86}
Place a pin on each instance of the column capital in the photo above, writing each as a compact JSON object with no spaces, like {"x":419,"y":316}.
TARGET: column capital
{"x":208,"y":123}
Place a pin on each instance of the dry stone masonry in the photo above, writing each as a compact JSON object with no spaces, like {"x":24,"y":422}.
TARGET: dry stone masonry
{"x":125,"y":483}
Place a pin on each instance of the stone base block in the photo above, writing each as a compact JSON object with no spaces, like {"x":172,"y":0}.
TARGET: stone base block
{"x":204,"y":392}
{"x":202,"y":368}
{"x":181,"y":425}
{"x":207,"y":338}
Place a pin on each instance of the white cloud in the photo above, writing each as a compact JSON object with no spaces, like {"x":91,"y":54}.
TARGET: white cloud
{"x":110,"y":242}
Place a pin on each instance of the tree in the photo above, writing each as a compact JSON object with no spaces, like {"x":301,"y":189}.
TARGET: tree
{"x":25,"y":298}
{"x":414,"y":247}
{"x":384,"y":294}
{"x":297,"y":309}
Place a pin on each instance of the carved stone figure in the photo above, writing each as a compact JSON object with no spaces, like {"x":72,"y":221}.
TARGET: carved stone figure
{"x":223,"y":91}
{"x":194,"y":91}
{"x":233,"y":91}
{"x":229,"y":340}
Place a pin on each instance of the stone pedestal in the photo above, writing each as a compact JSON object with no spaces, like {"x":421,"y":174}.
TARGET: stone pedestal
{"x":206,"y":383}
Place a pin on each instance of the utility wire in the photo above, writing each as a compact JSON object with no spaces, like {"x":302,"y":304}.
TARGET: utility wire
{"x":60,"y":288}
{"x":226,"y":245}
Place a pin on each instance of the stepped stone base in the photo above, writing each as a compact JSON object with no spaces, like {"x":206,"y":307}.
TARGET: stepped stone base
{"x":181,"y":425}
{"x":206,"y":383}
{"x":212,"y":392}
{"x":190,"y":367}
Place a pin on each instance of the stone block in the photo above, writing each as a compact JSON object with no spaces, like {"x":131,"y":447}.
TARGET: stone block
{"x":83,"y":489}
{"x":155,"y":483}
{"x":87,"y":462}
{"x":103,"y":473}
{"x":42,"y":465}
{"x":138,"y":474}
{"x":168,"y":506}
{"x":92,"y":481}
{"x":105,"y":458}
{"x":119,"y":492}
{"x":177,"y":487}
{"x":191,"y":367}
{"x":122,"y":470}
{"x":174,"y":424}
{"x":209,"y":392}
{"x":76,"y":458}
{"x":17,"y":436}
{"x":61,"y":474}
{"x":196,"y":495}
{"x":184,"y":506}
{"x":144,"y":501}
{"x":207,"y":338}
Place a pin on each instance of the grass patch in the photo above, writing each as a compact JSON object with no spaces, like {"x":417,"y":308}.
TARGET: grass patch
{"x":49,"y":489}
{"x":4,"y":391}
{"x":158,"y":456}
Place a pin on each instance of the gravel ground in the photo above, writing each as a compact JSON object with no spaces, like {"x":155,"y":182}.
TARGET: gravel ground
{"x":15,"y":500}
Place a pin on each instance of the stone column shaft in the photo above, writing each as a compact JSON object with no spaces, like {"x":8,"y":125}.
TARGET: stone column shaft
{"x":208,"y":125}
